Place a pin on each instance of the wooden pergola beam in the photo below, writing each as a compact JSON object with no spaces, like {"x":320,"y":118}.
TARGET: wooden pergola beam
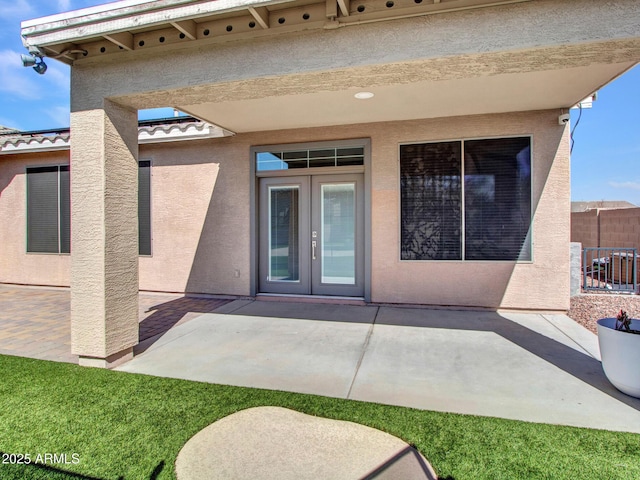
{"x":188,"y":27}
{"x":344,"y":7}
{"x":332,"y":9}
{"x":261,"y":15}
{"x":122,"y":39}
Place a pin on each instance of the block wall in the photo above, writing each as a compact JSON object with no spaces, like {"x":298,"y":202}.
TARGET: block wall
{"x":584,"y":228}
{"x":607,"y":228}
{"x":620,"y":228}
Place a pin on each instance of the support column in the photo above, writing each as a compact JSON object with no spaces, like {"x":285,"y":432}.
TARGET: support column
{"x":104,"y":234}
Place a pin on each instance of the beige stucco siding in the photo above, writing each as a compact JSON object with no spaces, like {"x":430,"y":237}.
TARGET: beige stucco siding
{"x":541,"y":284}
{"x":200,"y":220}
{"x":201,"y":217}
{"x":16,"y":265}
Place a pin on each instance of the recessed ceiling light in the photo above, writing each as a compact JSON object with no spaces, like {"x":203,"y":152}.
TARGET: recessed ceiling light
{"x":363,"y":95}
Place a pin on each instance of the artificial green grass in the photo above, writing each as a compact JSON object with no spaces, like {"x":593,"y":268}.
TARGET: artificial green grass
{"x":128,"y":426}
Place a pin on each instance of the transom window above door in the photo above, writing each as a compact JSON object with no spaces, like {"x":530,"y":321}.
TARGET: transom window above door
{"x":309,"y":158}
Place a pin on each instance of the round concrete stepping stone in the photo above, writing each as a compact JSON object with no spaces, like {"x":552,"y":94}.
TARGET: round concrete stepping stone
{"x":277,"y":443}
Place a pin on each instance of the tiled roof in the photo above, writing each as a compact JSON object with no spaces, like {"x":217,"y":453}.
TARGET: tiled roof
{"x":176,"y":132}
{"x":6,"y":130}
{"x":156,"y":131}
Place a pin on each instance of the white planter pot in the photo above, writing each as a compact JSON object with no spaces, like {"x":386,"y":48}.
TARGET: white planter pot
{"x":620,"y":352}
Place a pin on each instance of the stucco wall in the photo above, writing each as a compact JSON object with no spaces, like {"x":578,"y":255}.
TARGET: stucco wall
{"x":17,"y":266}
{"x":542,"y":284}
{"x":200,"y":218}
{"x":201,"y":210}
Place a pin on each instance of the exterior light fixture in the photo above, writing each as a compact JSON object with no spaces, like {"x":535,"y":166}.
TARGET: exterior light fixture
{"x":28,"y":60}
{"x":36,"y":55}
{"x":35,"y":60}
{"x":363,"y":95}
{"x":40,"y":67}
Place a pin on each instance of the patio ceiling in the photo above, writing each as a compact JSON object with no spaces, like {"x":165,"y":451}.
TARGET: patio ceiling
{"x":424,"y":99}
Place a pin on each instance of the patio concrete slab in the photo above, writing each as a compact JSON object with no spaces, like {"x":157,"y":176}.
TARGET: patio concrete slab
{"x":292,"y":354}
{"x":559,"y":328}
{"x":328,"y":312}
{"x":580,"y":335}
{"x":524,"y":366}
{"x":517,"y":366}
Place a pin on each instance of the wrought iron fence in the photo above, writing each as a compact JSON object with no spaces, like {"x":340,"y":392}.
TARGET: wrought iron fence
{"x":610,"y":269}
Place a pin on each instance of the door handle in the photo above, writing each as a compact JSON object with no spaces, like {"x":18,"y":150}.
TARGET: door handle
{"x":313,"y":249}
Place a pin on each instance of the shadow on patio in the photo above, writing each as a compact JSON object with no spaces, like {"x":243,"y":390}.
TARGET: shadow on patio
{"x":157,"y":316}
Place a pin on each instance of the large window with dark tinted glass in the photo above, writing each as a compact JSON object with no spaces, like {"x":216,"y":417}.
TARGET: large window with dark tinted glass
{"x":466,"y":200}
{"x":431,"y":201}
{"x":49,"y":209}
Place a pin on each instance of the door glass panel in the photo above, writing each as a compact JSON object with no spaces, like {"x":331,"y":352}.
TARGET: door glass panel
{"x":284,"y":262}
{"x":338,"y":233}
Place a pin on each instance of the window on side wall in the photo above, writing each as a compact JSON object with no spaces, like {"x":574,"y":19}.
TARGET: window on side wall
{"x":49,"y":209}
{"x":144,"y":207}
{"x":466,"y":200}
